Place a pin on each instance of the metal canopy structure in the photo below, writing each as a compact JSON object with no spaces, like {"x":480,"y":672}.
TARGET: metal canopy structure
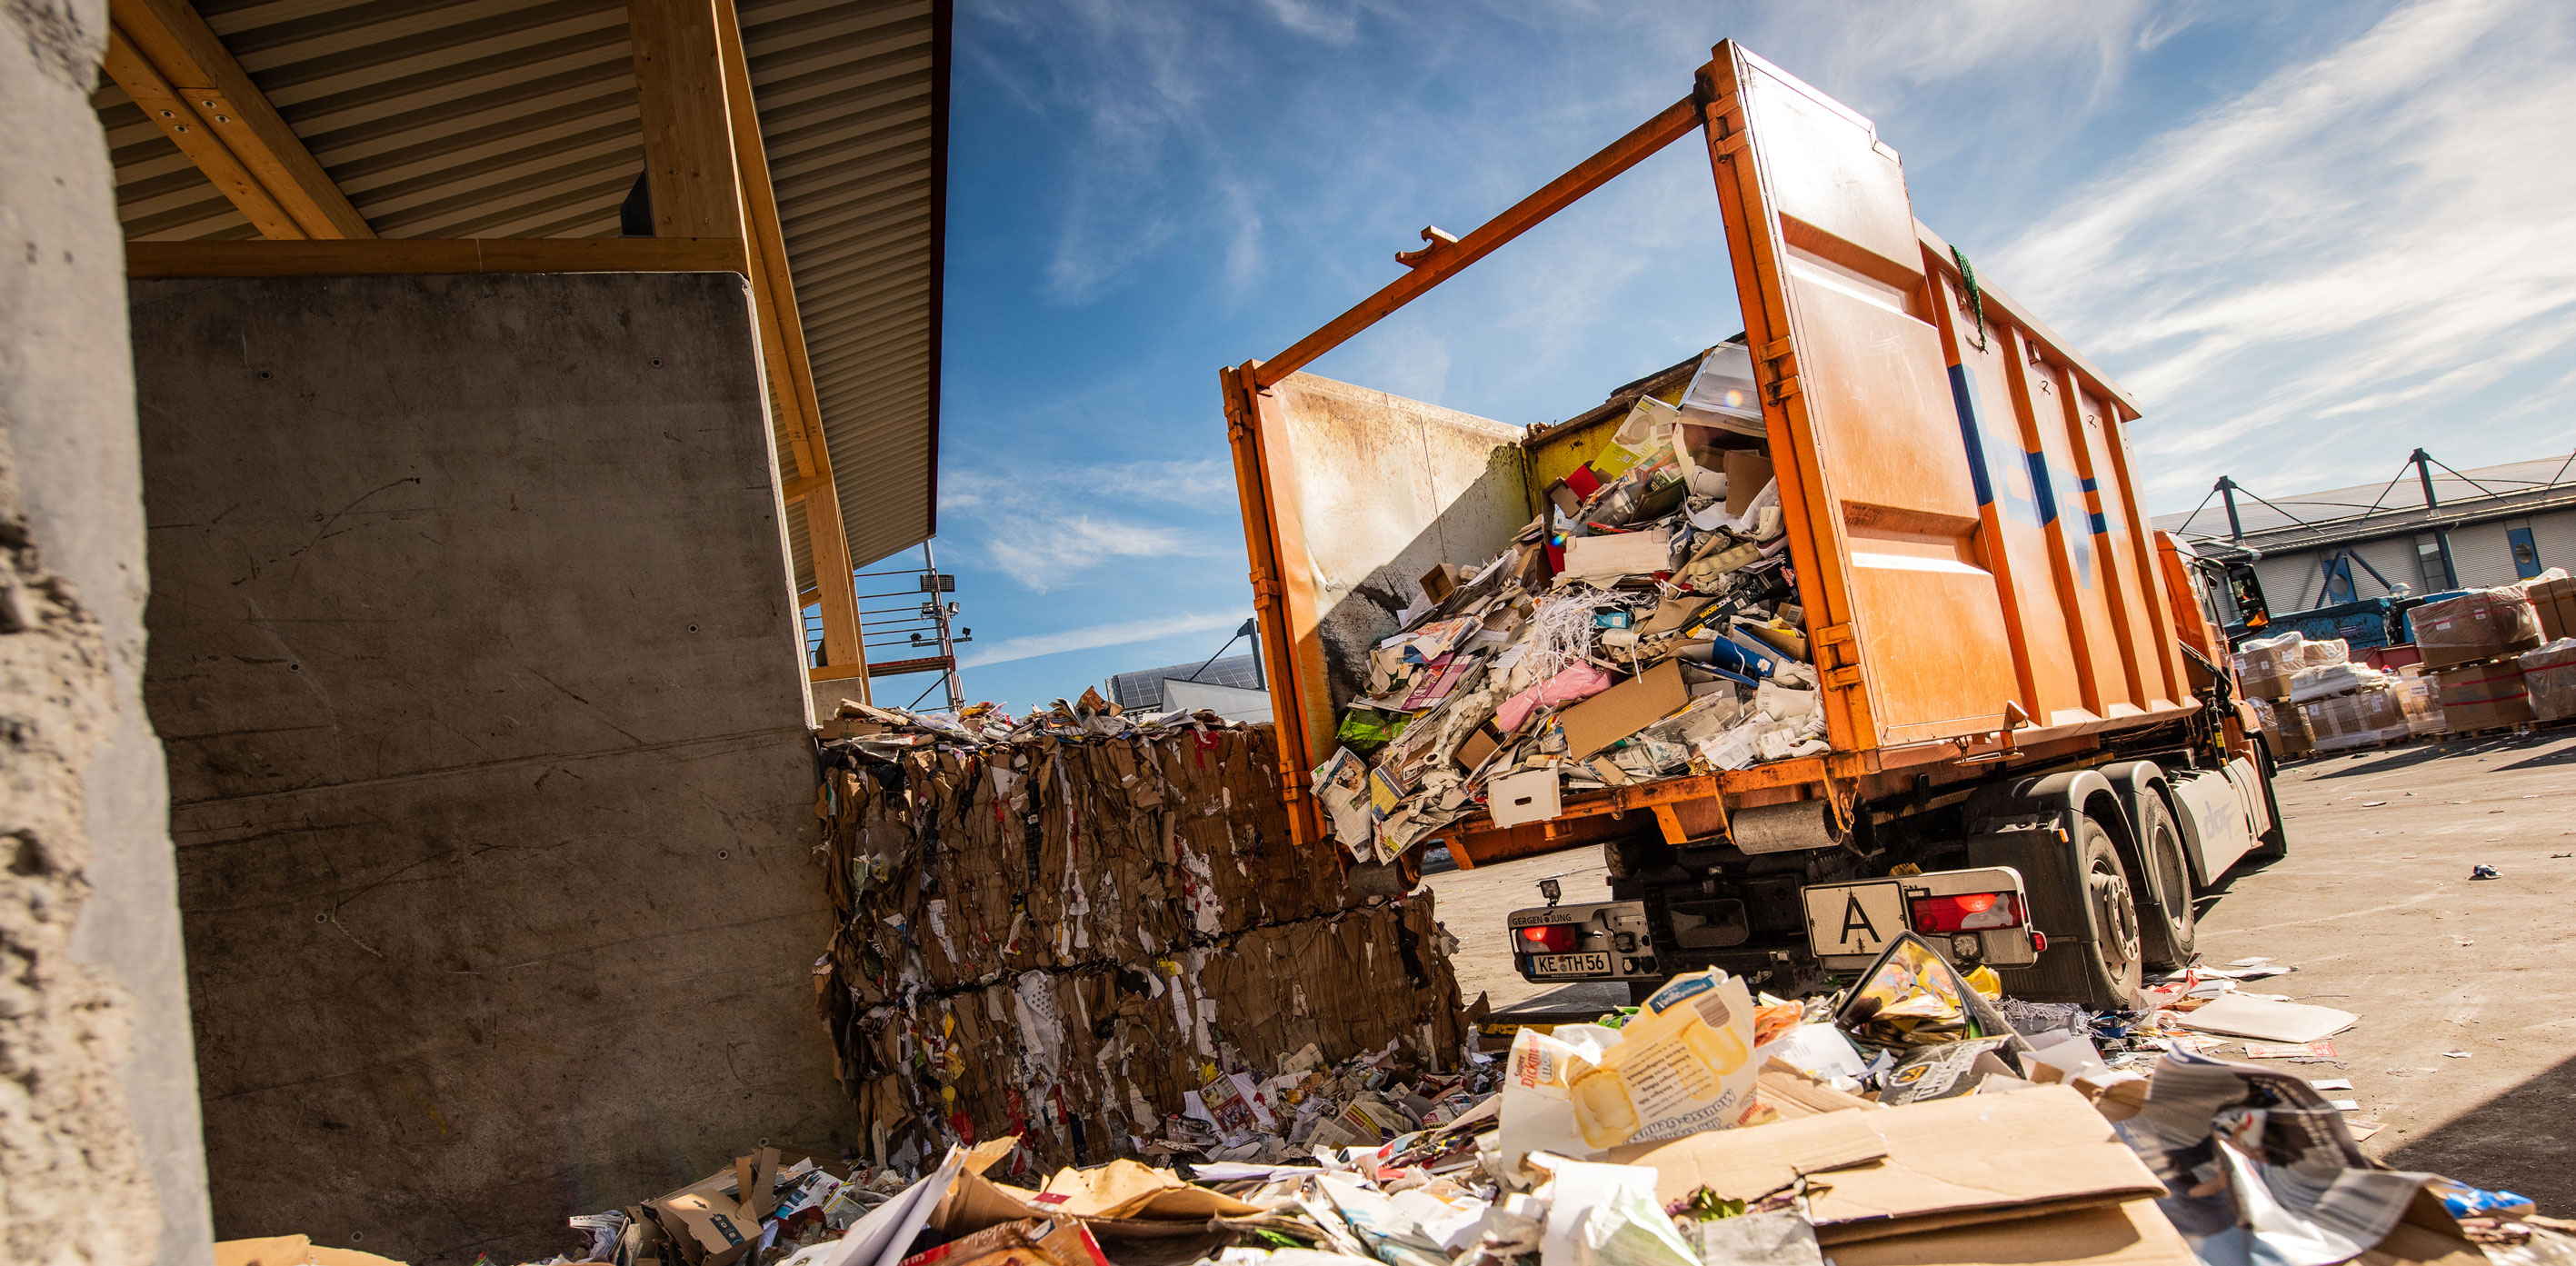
{"x":802,"y":143}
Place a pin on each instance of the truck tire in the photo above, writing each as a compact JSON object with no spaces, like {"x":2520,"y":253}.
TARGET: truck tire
{"x":2169,"y":930}
{"x":2113,"y":953}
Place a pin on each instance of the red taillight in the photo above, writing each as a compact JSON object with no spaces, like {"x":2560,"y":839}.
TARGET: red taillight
{"x":1967,"y":912}
{"x":1547,"y":938}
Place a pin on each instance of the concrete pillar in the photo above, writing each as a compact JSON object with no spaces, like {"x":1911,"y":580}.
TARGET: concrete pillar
{"x":100,"y":1154}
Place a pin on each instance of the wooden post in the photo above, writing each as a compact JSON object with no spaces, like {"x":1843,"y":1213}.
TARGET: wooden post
{"x":791,"y":374}
{"x":688,"y":134}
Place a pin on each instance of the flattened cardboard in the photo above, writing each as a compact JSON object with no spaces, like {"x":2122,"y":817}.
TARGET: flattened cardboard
{"x":1618,"y":554}
{"x":1795,"y":1095}
{"x":1624,"y":709}
{"x":1479,"y":745}
{"x":1952,"y":1162}
{"x":292,"y":1250}
{"x":1747,"y":474}
{"x":2134,"y":1233}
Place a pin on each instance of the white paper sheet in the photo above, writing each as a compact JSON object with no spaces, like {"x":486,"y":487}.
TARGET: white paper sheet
{"x":2241,"y":1016}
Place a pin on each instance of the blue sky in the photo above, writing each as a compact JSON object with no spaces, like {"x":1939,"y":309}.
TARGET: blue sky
{"x":2308,"y":237}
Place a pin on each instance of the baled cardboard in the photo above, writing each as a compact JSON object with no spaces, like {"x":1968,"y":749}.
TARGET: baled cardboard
{"x":2132,"y":1233}
{"x":1747,"y":474}
{"x":1624,"y":709}
{"x":1952,"y":1162}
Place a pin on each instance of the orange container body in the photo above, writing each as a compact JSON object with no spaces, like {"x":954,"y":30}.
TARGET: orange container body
{"x":1976,"y":566}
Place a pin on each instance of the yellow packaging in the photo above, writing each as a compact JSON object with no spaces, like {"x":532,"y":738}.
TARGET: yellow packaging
{"x":1683,"y":1064}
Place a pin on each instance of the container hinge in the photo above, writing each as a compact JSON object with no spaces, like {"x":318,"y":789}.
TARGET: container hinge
{"x":1837,"y":657}
{"x":1777,"y":349}
{"x":1783,"y":387}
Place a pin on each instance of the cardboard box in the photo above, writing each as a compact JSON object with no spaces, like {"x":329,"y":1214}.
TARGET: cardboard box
{"x":2553,"y":604}
{"x":2483,"y":696}
{"x":2549,"y":677}
{"x":1440,"y":582}
{"x":1624,"y":709}
{"x":710,"y":1228}
{"x":1922,"y":1167}
{"x":2481,"y":624}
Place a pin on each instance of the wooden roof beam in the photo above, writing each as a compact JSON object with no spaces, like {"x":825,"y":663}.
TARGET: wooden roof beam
{"x":178,"y":71}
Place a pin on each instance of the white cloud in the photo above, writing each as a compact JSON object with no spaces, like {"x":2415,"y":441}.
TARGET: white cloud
{"x":2305,"y":281}
{"x":1049,"y":525}
{"x":1045,"y":554}
{"x":1093,"y":636}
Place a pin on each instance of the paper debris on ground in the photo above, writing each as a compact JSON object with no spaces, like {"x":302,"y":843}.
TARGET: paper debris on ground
{"x":2240,"y":1016}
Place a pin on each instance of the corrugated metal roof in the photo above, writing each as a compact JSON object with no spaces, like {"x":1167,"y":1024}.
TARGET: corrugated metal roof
{"x":502,"y":118}
{"x":1142,"y":690}
{"x":2398,"y":500}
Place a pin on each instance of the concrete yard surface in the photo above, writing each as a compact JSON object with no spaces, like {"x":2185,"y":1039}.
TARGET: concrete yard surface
{"x":2466,"y":989}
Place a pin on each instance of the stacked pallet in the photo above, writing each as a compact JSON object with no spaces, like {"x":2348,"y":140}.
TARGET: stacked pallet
{"x":2318,"y":698}
{"x":2471,"y":644}
{"x":1063,"y":938}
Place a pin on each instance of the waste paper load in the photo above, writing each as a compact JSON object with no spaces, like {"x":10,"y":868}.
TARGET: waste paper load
{"x":1917,"y":1118}
{"x":1090,"y":930}
{"x":1643,"y":626}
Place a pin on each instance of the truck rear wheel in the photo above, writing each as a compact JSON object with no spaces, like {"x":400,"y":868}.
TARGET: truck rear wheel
{"x":2170,"y":928}
{"x":2111,"y":914}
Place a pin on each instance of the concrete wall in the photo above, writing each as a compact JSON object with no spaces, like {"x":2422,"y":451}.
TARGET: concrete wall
{"x":475,"y":658}
{"x":99,"y":1154}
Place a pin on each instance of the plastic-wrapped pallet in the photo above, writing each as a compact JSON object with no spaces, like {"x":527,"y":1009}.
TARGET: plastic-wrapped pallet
{"x":2324,"y":652}
{"x":2549,"y":677}
{"x":2421,"y":702}
{"x":2337,"y":677}
{"x":2357,"y":718}
{"x":2478,"y":625}
{"x":2264,"y":665}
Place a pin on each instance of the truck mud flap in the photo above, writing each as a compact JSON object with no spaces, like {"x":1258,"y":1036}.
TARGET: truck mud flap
{"x":2052,"y":875}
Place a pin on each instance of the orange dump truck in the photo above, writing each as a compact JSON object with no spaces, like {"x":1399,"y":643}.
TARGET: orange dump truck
{"x":2030,"y":748}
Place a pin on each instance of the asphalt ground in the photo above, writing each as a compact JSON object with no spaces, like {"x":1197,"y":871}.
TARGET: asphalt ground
{"x":2466,"y":989}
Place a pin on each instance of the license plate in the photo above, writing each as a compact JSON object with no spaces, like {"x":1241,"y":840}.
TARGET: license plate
{"x":1854,"y":920}
{"x":1571,"y":964}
